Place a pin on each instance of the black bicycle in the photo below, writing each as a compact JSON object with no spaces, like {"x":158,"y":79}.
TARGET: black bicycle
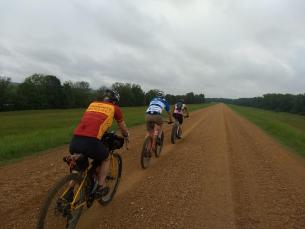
{"x":176,"y":131}
{"x":67,"y":198}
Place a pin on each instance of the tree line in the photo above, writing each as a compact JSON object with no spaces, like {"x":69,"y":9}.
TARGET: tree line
{"x":40,"y":91}
{"x":275,"y":102}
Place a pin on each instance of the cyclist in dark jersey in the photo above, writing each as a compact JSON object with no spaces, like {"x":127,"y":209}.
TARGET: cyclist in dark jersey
{"x":178,"y":111}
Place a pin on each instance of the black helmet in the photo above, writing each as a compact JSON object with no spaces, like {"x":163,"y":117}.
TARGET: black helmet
{"x":160,"y":94}
{"x":111,"y":96}
{"x":180,"y":101}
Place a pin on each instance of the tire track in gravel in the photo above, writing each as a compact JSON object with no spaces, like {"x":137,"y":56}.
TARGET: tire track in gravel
{"x":267,"y":181}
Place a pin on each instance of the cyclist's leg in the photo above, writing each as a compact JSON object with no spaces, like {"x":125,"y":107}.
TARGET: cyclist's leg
{"x":103,"y":171}
{"x":149,"y":119}
{"x":78,"y":145}
{"x":180,"y":120}
{"x":100,"y":154}
{"x":157,"y":128}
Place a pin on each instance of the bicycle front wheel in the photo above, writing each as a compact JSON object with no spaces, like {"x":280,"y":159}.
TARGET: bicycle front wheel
{"x":159,"y":145}
{"x":113,"y":178}
{"x":63,"y":205}
{"x":145,"y":154}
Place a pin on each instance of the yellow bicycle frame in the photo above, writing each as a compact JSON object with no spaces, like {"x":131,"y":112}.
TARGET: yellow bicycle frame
{"x":75,"y":206}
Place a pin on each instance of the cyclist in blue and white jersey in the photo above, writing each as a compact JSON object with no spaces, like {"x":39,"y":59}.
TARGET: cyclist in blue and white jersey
{"x":153,"y":115}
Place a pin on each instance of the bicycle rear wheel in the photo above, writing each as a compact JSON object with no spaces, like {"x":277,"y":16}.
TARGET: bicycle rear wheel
{"x":174,"y":133}
{"x":145,"y":154}
{"x":56,"y":211}
{"x":113,"y":178}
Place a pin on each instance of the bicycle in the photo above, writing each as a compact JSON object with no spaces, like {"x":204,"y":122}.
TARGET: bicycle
{"x":65,"y":209}
{"x":147,"y":145}
{"x":176,"y":131}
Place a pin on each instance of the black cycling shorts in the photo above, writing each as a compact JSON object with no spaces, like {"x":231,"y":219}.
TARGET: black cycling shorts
{"x":178,"y":117}
{"x":89,"y":147}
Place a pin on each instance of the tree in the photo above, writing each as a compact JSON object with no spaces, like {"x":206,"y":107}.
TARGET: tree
{"x":190,"y":98}
{"x":4,"y":91}
{"x":126,"y":95}
{"x":299,"y":104}
{"x":150,"y":95}
{"x":41,"y":91}
{"x":138,"y":94}
{"x":99,"y":94}
{"x":81,"y":93}
{"x":31,"y":94}
{"x":53,"y":91}
{"x":68,"y":97}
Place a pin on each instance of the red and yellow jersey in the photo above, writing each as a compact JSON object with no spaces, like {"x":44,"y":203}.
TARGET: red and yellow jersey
{"x":97,"y":119}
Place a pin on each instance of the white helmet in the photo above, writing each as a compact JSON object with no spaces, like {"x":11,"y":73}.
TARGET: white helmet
{"x":160,"y":94}
{"x":112,"y":96}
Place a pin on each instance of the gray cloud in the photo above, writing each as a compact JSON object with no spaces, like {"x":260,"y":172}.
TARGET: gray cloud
{"x":224,"y":48}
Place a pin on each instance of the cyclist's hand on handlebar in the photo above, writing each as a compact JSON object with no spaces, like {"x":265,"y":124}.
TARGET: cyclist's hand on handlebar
{"x":126,"y":140}
{"x":126,"y":137}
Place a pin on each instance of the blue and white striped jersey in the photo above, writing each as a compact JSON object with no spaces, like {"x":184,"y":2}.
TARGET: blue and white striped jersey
{"x":157,"y":105}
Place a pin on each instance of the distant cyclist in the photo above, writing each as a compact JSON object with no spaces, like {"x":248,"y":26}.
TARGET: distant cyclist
{"x":153,"y":115}
{"x":179,"y":110}
{"x":88,"y":134}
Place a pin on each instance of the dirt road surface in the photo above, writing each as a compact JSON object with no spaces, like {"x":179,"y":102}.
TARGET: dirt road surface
{"x":224,"y":173}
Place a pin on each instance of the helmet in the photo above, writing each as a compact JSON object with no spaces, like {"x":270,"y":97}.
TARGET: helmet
{"x":160,"y":94}
{"x":180,"y":101}
{"x":111,"y":96}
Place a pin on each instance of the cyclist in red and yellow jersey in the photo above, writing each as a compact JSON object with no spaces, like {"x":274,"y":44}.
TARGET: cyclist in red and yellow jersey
{"x":88,"y":134}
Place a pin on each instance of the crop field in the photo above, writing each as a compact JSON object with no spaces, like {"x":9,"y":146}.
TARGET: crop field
{"x":27,"y":132}
{"x":289,"y":129}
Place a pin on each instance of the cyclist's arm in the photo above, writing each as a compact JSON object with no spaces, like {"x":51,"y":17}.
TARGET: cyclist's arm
{"x":123,"y":128}
{"x":173,"y":109}
{"x":187,"y":111}
{"x":170,"y":116}
{"x":118,"y":116}
{"x":168,"y":110}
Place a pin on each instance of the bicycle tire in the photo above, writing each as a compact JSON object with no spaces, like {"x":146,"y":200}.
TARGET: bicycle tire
{"x":179,"y":132}
{"x":52,"y":194}
{"x":159,"y":146}
{"x":145,"y":155}
{"x":107,"y":199}
{"x":174,"y":133}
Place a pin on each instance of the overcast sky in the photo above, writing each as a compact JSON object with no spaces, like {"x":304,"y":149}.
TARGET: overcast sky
{"x":223,"y":48}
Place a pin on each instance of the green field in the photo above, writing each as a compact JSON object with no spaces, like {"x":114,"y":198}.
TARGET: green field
{"x":288,"y":129}
{"x":27,"y":132}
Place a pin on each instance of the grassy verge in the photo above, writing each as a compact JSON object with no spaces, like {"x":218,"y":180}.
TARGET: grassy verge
{"x":288,"y":129}
{"x":27,"y":132}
